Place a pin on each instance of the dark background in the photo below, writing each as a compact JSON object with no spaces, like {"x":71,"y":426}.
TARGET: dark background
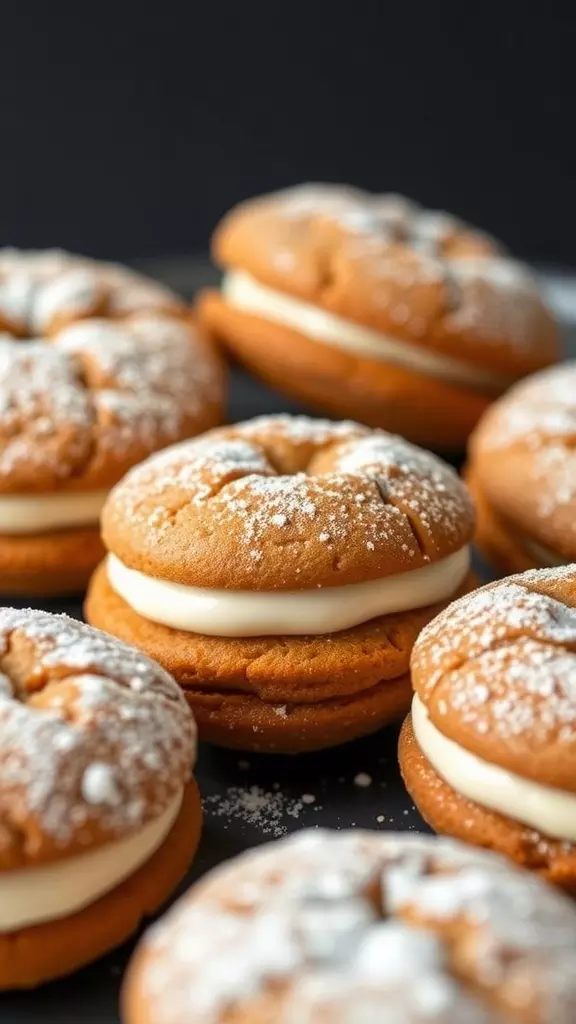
{"x":128,"y":133}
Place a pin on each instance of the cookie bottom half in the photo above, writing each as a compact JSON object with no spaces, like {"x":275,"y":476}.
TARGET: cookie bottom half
{"x":451,"y":814}
{"x":50,"y":563}
{"x":51,"y":950}
{"x":428,"y":411}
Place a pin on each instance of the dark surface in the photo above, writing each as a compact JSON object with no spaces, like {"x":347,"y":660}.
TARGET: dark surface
{"x":129,"y":134}
{"x":226,"y":780}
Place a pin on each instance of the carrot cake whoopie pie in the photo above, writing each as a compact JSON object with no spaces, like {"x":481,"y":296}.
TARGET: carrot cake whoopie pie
{"x":99,"y":815}
{"x":489,"y":752}
{"x":360,"y":928}
{"x":522,"y":473}
{"x":281,"y":570}
{"x":99,"y":367}
{"x":371,"y":307}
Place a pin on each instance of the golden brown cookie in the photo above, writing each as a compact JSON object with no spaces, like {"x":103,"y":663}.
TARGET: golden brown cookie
{"x":522,"y":471}
{"x":281,"y":570}
{"x":328,"y":927}
{"x":98,"y":817}
{"x":369,"y":306}
{"x":99,"y":368}
{"x":489,"y":753}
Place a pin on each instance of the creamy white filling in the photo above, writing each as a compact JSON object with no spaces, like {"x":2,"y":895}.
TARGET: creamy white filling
{"x":30,"y":896}
{"x":241,"y":291}
{"x":40,"y":513}
{"x":550,"y":811}
{"x":292,"y":612}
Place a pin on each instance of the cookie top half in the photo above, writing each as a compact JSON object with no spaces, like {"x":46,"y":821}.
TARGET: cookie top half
{"x":496,"y":672}
{"x":96,"y":739}
{"x":284,"y":503}
{"x":99,"y":366}
{"x":523,"y":457}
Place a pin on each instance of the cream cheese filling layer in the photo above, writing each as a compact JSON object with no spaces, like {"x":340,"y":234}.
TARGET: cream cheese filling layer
{"x":550,"y":811}
{"x":30,"y":896}
{"x":40,"y":513}
{"x":241,"y":613}
{"x":242,"y":292}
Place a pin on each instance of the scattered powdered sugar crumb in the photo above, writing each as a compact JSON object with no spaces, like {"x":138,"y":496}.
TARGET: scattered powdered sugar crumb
{"x":308,"y":798}
{"x":363,"y":780}
{"x":264,"y":809}
{"x":330,"y":919}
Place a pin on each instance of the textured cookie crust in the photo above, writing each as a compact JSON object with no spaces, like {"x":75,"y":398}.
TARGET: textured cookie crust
{"x":43,"y":291}
{"x":496,"y":673}
{"x":38,"y":954}
{"x":383,"y":262}
{"x":99,"y":367}
{"x":523,"y":459}
{"x":80,"y":408}
{"x":287,"y":694}
{"x":452,"y":814}
{"x":326,"y":927}
{"x":283,"y":503}
{"x":95,"y":739}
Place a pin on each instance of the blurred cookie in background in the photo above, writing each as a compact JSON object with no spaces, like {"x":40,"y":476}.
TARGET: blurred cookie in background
{"x":371,"y":307}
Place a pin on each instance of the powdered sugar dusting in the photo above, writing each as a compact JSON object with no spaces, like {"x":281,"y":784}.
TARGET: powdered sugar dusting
{"x":476,"y":282}
{"x":395,"y":464}
{"x":509,"y":653}
{"x":100,"y":387}
{"x":345,"y":485}
{"x":539,"y":415}
{"x":537,"y":411}
{"x":321,"y":927}
{"x":300,"y":430}
{"x":385,"y":217}
{"x":91,"y":731}
{"x":38,"y":290}
{"x":396,"y":246}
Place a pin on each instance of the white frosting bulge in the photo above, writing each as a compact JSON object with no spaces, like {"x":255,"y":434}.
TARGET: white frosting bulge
{"x":241,"y":291}
{"x":31,"y":896}
{"x":551,"y":811}
{"x":242,"y":613}
{"x":40,"y":513}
